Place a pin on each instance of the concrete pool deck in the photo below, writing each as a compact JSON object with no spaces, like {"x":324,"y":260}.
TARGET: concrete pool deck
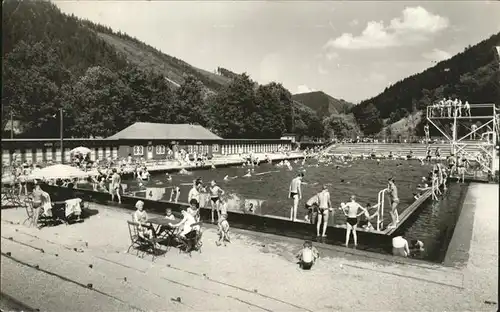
{"x":255,"y":272}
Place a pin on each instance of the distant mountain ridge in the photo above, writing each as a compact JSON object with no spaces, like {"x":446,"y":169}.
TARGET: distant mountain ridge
{"x":147,"y":57}
{"x":471,"y":75}
{"x":323,"y":104}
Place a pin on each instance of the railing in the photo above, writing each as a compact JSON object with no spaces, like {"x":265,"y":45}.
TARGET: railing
{"x":380,"y":209}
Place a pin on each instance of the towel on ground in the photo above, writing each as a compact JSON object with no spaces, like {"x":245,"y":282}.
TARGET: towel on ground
{"x":73,"y":206}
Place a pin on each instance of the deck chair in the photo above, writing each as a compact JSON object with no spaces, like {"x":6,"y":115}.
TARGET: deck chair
{"x":141,"y":243}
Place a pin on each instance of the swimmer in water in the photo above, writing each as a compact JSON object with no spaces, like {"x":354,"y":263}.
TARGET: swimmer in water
{"x":248,"y":174}
{"x":351,"y":210}
{"x":226,"y":178}
{"x":169,"y":177}
{"x":295,"y":193}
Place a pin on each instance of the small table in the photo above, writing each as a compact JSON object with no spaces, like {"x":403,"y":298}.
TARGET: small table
{"x":159,"y":222}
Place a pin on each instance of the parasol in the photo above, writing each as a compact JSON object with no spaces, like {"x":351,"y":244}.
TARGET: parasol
{"x":80,"y":150}
{"x":59,"y":171}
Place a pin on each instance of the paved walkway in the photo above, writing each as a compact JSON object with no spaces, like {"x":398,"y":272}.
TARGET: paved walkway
{"x":50,"y":269}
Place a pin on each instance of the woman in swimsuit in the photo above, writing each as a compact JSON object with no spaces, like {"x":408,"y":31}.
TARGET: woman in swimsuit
{"x":352,"y":215}
{"x":39,"y":199}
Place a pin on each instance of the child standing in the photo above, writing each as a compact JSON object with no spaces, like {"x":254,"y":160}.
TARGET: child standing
{"x":307,"y":256}
{"x":223,"y":230}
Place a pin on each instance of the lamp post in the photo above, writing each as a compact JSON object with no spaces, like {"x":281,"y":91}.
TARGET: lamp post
{"x":11,"y":125}
{"x":61,"y":134}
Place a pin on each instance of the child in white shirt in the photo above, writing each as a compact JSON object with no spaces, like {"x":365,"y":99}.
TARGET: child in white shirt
{"x":307,"y":256}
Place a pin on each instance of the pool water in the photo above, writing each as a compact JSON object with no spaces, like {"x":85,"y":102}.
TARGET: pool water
{"x":434,"y":222}
{"x":268,"y":186}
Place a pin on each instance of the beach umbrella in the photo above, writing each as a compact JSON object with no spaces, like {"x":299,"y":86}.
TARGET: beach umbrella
{"x":80,"y":150}
{"x":59,"y":172}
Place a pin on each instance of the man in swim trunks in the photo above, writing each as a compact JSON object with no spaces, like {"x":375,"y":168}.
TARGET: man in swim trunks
{"x":295,"y":192}
{"x":428,"y":157}
{"x":392,"y":191}
{"x":324,"y":206}
{"x":351,"y":212}
{"x":426,"y":131}
{"x":215,"y":193}
{"x":451,"y":161}
{"x":114,"y":187}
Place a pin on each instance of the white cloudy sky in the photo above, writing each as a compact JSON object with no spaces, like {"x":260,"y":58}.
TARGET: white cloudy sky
{"x":350,"y":50}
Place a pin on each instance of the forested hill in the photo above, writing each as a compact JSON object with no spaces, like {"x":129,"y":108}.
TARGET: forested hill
{"x":105,"y":82}
{"x":322,"y":103}
{"x":471,"y":75}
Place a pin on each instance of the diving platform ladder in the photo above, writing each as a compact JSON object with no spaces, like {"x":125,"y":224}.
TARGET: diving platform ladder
{"x":479,"y":142}
{"x":380,"y":209}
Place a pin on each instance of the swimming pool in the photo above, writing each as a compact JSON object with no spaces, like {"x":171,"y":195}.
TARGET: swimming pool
{"x":268,"y":186}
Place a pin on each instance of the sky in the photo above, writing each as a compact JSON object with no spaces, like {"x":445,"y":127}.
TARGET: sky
{"x":349,"y":50}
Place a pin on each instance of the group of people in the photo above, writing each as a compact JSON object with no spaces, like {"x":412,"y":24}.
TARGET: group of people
{"x":319,"y":208}
{"x":450,"y":108}
{"x":216,"y":197}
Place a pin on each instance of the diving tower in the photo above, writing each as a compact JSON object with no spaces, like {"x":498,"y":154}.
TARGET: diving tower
{"x":471,"y":130}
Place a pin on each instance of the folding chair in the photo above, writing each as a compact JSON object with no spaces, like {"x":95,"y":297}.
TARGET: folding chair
{"x":192,"y":241}
{"x":30,"y":212}
{"x":11,"y":198}
{"x":140,"y":242}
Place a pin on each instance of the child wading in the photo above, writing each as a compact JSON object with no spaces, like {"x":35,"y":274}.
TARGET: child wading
{"x":307,"y":256}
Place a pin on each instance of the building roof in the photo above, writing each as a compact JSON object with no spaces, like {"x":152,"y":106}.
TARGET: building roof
{"x":158,"y":131}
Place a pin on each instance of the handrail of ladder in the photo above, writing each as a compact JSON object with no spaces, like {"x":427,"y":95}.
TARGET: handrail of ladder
{"x":380,"y":208}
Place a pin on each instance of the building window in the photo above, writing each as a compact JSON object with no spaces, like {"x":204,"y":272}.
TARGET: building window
{"x":138,"y":150}
{"x":215,"y":148}
{"x":160,"y":149}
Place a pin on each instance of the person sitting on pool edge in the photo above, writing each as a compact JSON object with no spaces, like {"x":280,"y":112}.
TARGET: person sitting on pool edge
{"x":400,"y":247}
{"x":307,"y":256}
{"x":365,"y":219}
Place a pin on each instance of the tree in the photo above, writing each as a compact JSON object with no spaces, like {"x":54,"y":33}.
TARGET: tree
{"x":101,"y":101}
{"x":235,"y":103}
{"x":188,"y":104}
{"x":31,"y":78}
{"x":369,"y":119}
{"x":341,"y":126}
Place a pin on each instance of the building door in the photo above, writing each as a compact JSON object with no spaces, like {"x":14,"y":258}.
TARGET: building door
{"x":150,"y":152}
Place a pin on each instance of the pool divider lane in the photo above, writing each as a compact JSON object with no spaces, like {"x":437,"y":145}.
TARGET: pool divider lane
{"x":403,"y":217}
